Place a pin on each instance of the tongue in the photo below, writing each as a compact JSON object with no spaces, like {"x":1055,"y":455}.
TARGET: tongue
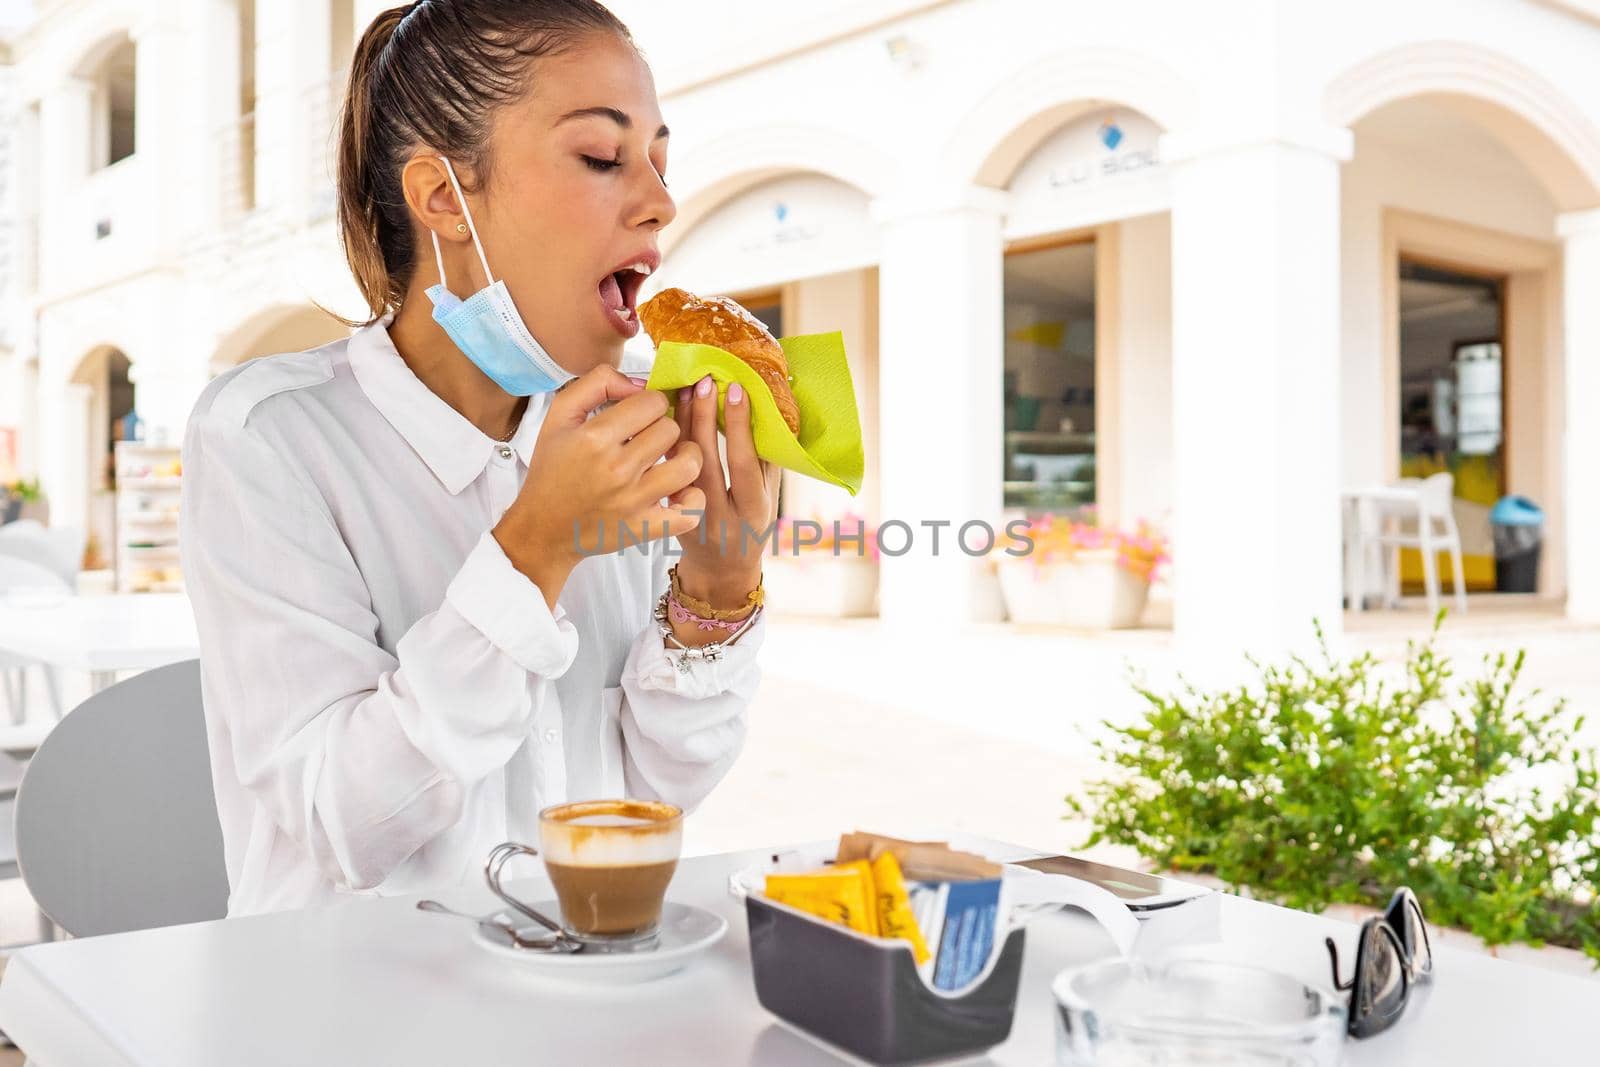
{"x":611,"y":293}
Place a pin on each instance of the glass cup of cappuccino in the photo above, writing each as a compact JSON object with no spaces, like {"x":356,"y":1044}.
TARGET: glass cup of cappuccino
{"x":610,"y":862}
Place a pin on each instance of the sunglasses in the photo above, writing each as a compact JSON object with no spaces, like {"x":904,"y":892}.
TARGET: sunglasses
{"x":1392,"y":954}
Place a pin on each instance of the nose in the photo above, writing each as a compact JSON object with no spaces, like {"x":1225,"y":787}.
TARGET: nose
{"x":655,"y":207}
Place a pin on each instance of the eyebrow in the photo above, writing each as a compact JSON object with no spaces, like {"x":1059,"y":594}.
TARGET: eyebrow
{"x":614,"y":114}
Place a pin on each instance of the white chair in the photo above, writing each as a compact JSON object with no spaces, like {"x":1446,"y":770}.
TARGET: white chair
{"x":22,"y":528}
{"x":58,"y":548}
{"x":1429,"y":527}
{"x":18,"y":576}
{"x":116,"y":824}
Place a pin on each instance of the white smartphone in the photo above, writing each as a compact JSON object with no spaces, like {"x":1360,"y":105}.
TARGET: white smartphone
{"x":1138,"y":890}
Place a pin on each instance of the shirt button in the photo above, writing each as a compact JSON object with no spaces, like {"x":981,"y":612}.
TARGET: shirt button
{"x":550,"y":736}
{"x":505,"y":451}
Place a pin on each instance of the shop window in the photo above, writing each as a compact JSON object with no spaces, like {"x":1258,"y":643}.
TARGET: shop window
{"x":1050,"y":440}
{"x":1452,"y":403}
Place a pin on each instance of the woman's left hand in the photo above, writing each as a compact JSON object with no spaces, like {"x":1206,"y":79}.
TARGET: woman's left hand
{"x":721,"y":560}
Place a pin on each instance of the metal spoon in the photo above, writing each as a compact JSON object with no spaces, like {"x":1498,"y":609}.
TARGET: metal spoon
{"x":494,"y":926}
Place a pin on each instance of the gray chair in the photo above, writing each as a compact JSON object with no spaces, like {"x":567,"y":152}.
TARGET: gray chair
{"x":116,"y":818}
{"x":10,"y":779}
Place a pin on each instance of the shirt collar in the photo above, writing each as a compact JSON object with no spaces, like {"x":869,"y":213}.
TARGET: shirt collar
{"x":454,"y":449}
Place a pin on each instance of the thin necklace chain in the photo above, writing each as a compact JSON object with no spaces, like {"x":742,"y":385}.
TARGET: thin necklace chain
{"x":515,"y":426}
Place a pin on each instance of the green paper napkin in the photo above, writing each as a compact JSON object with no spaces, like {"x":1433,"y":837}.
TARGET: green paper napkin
{"x":829,"y":445}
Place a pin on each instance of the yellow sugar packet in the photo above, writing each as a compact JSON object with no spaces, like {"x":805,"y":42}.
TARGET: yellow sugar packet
{"x":843,"y":893}
{"x":895,"y":917}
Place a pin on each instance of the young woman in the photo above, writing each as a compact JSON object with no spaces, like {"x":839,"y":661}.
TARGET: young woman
{"x":407,"y":650}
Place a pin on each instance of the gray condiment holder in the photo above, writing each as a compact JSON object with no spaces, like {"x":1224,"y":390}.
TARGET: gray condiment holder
{"x":864,"y":995}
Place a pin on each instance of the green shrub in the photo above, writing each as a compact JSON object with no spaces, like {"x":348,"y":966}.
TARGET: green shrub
{"x":1327,"y":781}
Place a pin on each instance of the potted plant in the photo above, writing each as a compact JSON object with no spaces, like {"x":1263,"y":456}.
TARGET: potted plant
{"x":14,"y":496}
{"x":1079,"y":574}
{"x":824,"y":567}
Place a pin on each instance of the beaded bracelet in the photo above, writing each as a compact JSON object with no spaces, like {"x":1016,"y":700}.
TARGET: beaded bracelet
{"x":689,"y":653}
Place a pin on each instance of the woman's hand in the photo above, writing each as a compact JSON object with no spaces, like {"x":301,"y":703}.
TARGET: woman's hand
{"x":590,"y":480}
{"x":721,"y":561}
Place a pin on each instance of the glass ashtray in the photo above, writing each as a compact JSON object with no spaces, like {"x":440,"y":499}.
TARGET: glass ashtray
{"x":1193,"y":1013}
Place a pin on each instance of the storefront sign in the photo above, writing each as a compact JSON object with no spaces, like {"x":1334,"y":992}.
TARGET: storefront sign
{"x":1100,"y":167}
{"x":786,"y":229}
{"x":791,"y":228}
{"x":1105,"y":146}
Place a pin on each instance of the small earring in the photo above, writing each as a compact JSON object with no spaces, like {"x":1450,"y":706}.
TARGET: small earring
{"x":461,"y":227}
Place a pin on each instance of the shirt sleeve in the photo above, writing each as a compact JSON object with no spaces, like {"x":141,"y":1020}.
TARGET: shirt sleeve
{"x":361,"y":755}
{"x":682,"y":730}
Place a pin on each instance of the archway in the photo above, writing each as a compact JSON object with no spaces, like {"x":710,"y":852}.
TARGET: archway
{"x":1030,"y":106}
{"x":1086,"y":421}
{"x":111,"y":70}
{"x":274,"y":330}
{"x":1464,"y":164}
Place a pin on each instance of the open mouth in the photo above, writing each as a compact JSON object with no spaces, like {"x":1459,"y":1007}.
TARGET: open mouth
{"x":619,"y":293}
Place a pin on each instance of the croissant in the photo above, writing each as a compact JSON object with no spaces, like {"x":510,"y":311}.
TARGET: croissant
{"x":679,"y":315}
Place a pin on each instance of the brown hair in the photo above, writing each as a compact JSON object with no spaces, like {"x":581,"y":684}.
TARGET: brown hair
{"x":432,"y":73}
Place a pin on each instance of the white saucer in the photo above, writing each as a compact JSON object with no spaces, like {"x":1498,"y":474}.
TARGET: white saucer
{"x":686,"y":931}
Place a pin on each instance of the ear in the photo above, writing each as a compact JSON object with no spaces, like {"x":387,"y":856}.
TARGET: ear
{"x":431,"y":197}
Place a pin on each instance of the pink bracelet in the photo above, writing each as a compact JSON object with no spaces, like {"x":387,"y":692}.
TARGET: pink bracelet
{"x":678,"y":613}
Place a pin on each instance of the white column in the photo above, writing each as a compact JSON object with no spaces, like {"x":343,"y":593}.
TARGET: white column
{"x":167,"y":114}
{"x":28,"y":423}
{"x":1580,"y":303}
{"x":179,"y":133}
{"x":940,"y":350}
{"x":63,"y":164}
{"x":291,"y":70}
{"x":167,"y":385}
{"x":64,"y":459}
{"x":1255,"y":377}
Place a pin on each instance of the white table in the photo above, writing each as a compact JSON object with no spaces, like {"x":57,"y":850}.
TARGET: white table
{"x":1363,"y":511}
{"x":102,"y":634}
{"x":377,"y":982}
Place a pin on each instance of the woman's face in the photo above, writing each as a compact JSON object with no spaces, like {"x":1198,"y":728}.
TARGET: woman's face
{"x":576,"y":197}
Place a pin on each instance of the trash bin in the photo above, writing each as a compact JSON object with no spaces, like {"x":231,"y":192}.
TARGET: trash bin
{"x":1518,"y":525}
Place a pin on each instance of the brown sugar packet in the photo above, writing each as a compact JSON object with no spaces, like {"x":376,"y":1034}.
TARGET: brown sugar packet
{"x":921,"y":861}
{"x":940,"y":863}
{"x":864,"y":846}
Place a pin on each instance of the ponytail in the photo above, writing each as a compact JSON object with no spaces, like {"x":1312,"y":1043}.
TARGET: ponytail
{"x":360,"y":215}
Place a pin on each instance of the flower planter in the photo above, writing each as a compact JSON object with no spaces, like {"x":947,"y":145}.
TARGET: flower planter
{"x":1091,"y":591}
{"x":821,"y":584}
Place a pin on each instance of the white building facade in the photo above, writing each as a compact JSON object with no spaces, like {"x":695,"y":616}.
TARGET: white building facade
{"x":1202,"y":264}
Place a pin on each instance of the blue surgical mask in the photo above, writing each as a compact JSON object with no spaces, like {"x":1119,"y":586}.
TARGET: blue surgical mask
{"x":487,"y":328}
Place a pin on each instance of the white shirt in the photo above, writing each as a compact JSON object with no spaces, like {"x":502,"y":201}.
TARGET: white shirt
{"x":386,"y":697}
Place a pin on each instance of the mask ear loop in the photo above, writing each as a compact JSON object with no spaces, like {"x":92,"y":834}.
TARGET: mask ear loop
{"x":471,"y":226}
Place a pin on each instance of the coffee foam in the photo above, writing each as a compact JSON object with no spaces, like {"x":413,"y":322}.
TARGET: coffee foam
{"x":611,"y":834}
{"x":574,"y":845}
